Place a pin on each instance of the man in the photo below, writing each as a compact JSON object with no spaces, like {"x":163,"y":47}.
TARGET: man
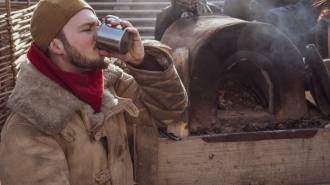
{"x":242,"y":8}
{"x":182,"y":8}
{"x":72,"y":111}
{"x":303,"y":22}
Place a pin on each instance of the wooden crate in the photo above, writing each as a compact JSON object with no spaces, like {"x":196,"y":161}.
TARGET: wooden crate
{"x":287,"y":157}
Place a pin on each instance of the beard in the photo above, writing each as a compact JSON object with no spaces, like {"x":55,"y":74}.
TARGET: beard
{"x":83,"y":62}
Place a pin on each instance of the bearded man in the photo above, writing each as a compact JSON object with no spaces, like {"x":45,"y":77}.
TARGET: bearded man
{"x":73,"y":111}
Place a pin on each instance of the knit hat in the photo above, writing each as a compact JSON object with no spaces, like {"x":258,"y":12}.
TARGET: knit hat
{"x":50,"y":16}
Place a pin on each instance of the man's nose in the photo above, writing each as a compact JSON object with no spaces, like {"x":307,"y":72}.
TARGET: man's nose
{"x":96,"y":31}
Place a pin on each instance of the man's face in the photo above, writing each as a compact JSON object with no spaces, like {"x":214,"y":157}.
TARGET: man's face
{"x":80,"y":43}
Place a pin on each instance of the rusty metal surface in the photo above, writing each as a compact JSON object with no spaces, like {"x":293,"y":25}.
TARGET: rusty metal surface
{"x":265,"y":135}
{"x":212,"y":40}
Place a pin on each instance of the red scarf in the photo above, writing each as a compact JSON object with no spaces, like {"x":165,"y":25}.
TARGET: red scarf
{"x":88,"y":86}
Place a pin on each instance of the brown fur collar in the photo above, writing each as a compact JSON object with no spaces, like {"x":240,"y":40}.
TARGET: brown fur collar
{"x":47,"y":105}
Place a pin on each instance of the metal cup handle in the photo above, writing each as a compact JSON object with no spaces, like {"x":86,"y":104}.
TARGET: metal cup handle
{"x":114,"y":17}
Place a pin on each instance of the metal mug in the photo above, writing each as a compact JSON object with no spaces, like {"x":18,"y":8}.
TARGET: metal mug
{"x":113,"y":38}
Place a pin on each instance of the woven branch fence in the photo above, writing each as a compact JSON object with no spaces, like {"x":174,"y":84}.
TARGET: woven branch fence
{"x":15,"y":39}
{"x":14,"y":6}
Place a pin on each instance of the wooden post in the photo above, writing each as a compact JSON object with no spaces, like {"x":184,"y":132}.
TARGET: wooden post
{"x":10,"y":30}
{"x":145,"y":155}
{"x":8,"y":8}
{"x":180,"y":56}
{"x":328,"y":40}
{"x":180,"y":126}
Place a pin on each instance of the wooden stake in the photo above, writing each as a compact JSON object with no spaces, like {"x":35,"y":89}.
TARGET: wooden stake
{"x":145,"y":155}
{"x":8,"y":8}
{"x":180,"y":127}
{"x":328,"y":40}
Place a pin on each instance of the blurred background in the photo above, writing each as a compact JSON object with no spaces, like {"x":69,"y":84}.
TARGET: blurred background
{"x":141,"y":13}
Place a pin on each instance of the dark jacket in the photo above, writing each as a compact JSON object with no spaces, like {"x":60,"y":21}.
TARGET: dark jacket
{"x":298,"y":21}
{"x":172,"y":13}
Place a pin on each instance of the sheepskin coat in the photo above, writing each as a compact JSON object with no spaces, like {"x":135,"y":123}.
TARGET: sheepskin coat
{"x":54,"y":138}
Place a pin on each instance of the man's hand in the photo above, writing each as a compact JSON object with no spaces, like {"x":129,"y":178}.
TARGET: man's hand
{"x":136,"y":54}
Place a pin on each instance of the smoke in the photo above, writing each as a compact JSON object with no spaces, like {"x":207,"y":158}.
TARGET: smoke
{"x":298,"y":20}
{"x":293,"y":19}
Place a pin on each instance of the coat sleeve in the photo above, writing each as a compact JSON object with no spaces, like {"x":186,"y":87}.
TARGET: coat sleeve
{"x":35,"y":158}
{"x":159,"y":95}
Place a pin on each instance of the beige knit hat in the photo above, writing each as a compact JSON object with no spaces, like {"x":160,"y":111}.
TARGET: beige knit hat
{"x":49,"y":18}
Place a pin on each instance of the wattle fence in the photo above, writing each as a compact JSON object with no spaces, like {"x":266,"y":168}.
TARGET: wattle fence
{"x":15,"y":39}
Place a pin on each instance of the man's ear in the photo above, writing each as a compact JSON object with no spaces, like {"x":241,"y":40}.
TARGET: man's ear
{"x":56,"y":46}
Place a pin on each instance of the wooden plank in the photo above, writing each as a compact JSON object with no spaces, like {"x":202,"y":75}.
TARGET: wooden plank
{"x":145,"y":154}
{"x":296,"y":157}
{"x":180,"y":126}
